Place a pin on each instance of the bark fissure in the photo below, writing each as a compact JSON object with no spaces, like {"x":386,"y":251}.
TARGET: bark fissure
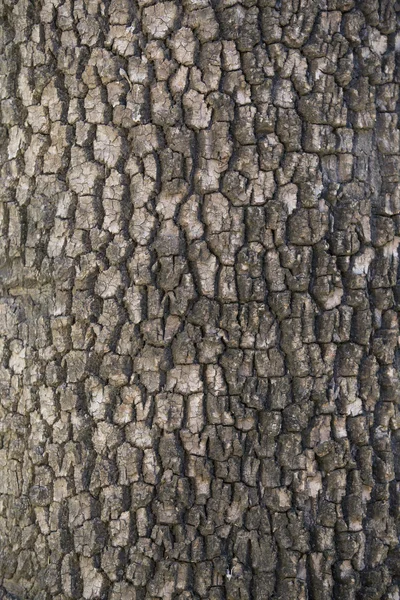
{"x":199,"y":336}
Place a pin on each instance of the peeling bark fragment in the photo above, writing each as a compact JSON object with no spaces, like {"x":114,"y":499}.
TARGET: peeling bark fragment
{"x":107,"y":145}
{"x":158,"y":20}
{"x":197,"y":114}
{"x":144,"y":139}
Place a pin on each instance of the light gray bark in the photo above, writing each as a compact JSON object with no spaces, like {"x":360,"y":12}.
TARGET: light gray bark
{"x":199,"y":336}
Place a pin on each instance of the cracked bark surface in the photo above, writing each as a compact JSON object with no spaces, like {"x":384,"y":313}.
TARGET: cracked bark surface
{"x":199,"y":333}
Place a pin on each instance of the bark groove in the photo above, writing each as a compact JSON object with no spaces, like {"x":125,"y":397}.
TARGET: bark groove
{"x":199,"y":307}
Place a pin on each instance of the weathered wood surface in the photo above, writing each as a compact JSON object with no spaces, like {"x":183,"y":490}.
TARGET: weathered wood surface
{"x":200,"y":225}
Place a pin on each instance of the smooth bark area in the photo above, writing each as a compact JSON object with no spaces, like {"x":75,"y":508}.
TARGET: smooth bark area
{"x":199,"y":270}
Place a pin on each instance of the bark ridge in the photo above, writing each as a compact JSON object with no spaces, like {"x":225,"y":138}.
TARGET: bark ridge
{"x":199,"y":333}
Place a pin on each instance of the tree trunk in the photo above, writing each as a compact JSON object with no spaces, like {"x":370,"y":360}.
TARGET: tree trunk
{"x":199,"y":263}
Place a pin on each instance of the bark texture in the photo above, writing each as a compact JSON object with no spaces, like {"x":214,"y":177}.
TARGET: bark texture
{"x":200,"y":223}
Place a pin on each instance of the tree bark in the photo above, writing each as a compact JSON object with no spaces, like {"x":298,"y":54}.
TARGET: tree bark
{"x":199,"y":303}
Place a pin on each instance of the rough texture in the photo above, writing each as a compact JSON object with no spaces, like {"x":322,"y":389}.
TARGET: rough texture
{"x":200,"y":225}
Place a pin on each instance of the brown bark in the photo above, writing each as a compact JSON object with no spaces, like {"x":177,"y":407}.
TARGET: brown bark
{"x":199,"y":302}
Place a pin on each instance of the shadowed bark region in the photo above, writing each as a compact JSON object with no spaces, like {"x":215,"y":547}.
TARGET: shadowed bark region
{"x":199,"y":300}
